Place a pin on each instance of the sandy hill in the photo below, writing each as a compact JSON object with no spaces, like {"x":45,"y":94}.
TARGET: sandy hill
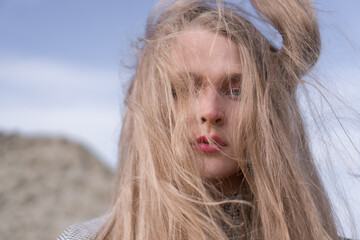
{"x":47,"y":184}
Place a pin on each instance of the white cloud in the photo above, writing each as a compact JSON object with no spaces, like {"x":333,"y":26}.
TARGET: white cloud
{"x":33,"y":73}
{"x":49,"y":97}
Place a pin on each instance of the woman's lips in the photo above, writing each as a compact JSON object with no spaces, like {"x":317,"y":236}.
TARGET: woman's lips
{"x":205,"y":147}
{"x":202,"y":144}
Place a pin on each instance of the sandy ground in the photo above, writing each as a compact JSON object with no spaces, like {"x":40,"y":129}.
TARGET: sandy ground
{"x":47,"y":184}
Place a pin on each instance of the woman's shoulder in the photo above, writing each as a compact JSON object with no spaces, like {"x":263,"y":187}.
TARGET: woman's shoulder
{"x":83,"y":230}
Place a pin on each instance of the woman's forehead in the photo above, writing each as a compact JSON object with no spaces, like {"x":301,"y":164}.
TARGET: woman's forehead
{"x":206,"y":53}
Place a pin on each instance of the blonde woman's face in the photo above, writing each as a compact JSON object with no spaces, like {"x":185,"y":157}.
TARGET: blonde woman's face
{"x":213,"y":65}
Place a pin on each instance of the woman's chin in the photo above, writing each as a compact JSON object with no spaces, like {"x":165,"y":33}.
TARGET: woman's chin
{"x":217,"y":166}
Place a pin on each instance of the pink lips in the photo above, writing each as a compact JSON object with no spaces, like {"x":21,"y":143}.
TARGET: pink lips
{"x":204,"y":146}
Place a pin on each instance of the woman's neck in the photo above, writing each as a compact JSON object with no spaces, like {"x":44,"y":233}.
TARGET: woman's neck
{"x":230,"y":186}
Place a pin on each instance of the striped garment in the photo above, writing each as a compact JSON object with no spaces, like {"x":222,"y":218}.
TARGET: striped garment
{"x":83,"y":230}
{"x":87,"y":230}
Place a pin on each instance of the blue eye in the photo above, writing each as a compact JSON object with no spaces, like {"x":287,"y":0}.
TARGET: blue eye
{"x":235,"y":92}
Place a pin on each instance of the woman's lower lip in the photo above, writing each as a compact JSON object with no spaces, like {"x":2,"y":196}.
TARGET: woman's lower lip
{"x":204,"y":147}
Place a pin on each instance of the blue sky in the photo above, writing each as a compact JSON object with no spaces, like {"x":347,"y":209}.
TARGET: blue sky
{"x":61,"y":68}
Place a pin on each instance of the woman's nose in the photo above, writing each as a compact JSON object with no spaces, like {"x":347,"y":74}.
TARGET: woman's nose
{"x":211,"y":110}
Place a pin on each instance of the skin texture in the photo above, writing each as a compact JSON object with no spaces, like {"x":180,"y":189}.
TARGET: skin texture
{"x":214,"y":65}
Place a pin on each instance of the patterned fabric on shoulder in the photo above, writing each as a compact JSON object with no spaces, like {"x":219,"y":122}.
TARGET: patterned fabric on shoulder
{"x":83,"y":230}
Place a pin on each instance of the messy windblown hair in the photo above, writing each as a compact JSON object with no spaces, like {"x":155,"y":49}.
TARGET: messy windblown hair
{"x":160,"y":193}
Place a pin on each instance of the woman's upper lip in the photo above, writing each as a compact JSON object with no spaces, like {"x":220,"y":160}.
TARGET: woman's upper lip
{"x":217,"y":140}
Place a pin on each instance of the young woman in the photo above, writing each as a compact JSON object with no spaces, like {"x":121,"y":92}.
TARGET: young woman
{"x":213,"y":145}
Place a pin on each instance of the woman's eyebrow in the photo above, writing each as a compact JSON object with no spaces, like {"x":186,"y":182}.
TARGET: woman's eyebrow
{"x":232,"y":78}
{"x":198,"y":78}
{"x":235,"y":76}
{"x":189,"y":75}
{"x":194,"y":75}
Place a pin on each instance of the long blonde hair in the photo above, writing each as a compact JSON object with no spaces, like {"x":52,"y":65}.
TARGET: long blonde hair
{"x":160,"y":193}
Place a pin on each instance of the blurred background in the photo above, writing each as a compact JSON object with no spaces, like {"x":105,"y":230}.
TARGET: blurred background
{"x":62,"y":79}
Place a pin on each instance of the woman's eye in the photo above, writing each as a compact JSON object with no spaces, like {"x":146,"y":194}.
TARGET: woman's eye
{"x":234,"y":92}
{"x":173,"y":92}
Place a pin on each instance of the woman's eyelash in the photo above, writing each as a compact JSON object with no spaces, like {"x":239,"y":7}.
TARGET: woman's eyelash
{"x":232,"y":85}
{"x":173,"y":91}
{"x":234,"y":92}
